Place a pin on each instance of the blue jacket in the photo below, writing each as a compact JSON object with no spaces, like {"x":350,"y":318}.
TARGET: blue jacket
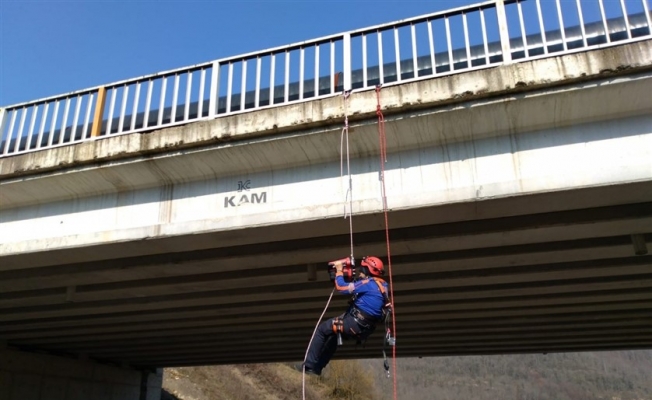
{"x":366,"y":294}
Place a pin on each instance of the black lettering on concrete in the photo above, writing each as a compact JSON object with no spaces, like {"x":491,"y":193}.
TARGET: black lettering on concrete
{"x":244,"y":185}
{"x":244,"y":199}
{"x":229,"y":201}
{"x":261,"y":199}
{"x":254,"y":198}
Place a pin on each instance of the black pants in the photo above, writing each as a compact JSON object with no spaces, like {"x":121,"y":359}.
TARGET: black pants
{"x":324,"y":344}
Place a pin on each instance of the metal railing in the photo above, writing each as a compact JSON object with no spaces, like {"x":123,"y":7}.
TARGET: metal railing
{"x":472,"y":37}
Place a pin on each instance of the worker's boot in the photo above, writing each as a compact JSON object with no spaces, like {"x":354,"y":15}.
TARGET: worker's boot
{"x":299,"y":367}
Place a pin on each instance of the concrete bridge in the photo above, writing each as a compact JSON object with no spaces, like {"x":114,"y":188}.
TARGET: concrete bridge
{"x":520,"y":199}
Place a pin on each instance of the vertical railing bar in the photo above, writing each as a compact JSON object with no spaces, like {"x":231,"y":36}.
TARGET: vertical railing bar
{"x":583,"y":30}
{"x":175,"y":98}
{"x":542,"y":27}
{"x":503,"y":31}
{"x":364,"y":60}
{"x":272,"y":81}
{"x":484,"y":37}
{"x":415,"y":66}
{"x":257,"y":89}
{"x":109,"y":120}
{"x":53,"y":122}
{"x":75,"y":118}
{"x":626,"y":19}
{"x":186,"y":111}
{"x":30,"y":131}
{"x":243,"y":85}
{"x":467,"y":43}
{"x":96,"y":130}
{"x":89,"y":107}
{"x":332,"y":66}
{"x":431,"y":44}
{"x":229,"y":87}
{"x":604,"y":21}
{"x":646,"y":9}
{"x":161,"y":101}
{"x":21,"y":126}
{"x":316,"y":70}
{"x":214,"y":95}
{"x":381,"y":72}
{"x":526,"y":51}
{"x":286,"y":78}
{"x":346,"y":62}
{"x":562,"y":29}
{"x":397,"y":54}
{"x":302,"y":59}
{"x":123,"y":108}
{"x":148,"y":103}
{"x":3,"y":121}
{"x":10,"y":131}
{"x":449,"y":44}
{"x":200,"y":95}
{"x":41,"y":130}
{"x":64,"y":121}
{"x":134,"y":110}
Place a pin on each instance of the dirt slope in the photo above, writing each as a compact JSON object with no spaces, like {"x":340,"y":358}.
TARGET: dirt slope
{"x":569,"y":376}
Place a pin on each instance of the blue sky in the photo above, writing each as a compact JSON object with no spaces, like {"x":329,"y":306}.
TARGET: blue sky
{"x":51,"y":47}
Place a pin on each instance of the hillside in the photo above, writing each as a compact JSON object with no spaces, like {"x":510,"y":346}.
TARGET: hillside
{"x":568,"y":376}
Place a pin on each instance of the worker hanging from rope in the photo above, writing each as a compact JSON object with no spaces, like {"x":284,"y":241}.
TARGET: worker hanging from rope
{"x":369,"y":306}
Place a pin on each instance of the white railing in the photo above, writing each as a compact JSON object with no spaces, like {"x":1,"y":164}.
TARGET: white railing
{"x":472,"y":37}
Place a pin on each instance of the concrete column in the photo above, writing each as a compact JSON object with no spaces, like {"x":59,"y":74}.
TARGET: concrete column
{"x":30,"y":376}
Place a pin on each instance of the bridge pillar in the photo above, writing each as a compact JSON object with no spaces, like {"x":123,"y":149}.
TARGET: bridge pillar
{"x":31,"y":376}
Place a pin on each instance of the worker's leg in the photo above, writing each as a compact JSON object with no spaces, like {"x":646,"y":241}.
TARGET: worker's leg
{"x":330,"y":346}
{"x":351,"y":330}
{"x":320,"y":350}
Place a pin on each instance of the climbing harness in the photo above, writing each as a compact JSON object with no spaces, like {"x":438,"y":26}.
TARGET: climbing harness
{"x":338,"y":329}
{"x":389,"y":340}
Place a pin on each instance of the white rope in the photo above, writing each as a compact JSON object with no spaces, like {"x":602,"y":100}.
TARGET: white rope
{"x":349,"y":192}
{"x":303,"y":379}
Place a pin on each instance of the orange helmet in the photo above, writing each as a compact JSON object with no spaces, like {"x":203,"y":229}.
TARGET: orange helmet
{"x":373,"y":266}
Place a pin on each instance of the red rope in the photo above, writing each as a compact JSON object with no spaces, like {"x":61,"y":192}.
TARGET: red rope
{"x":383,"y":159}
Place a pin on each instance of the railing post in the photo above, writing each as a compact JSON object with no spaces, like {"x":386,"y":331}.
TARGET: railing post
{"x":347,"y":61}
{"x":215,"y":87}
{"x":3,"y":112}
{"x":3,"y":121}
{"x":647,"y":17}
{"x":99,"y":112}
{"x":504,"y":33}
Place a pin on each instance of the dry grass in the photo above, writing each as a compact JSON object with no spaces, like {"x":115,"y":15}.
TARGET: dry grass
{"x":345,"y":380}
{"x":565,"y":376}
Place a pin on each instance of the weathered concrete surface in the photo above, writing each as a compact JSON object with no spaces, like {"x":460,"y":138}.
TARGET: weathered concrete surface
{"x":504,"y":80}
{"x":31,"y":376}
{"x":520,"y":222}
{"x":584,"y":155}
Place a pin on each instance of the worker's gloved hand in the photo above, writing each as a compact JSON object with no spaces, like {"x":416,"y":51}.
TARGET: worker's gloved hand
{"x":341,"y":263}
{"x":338,"y":266}
{"x":333,"y":268}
